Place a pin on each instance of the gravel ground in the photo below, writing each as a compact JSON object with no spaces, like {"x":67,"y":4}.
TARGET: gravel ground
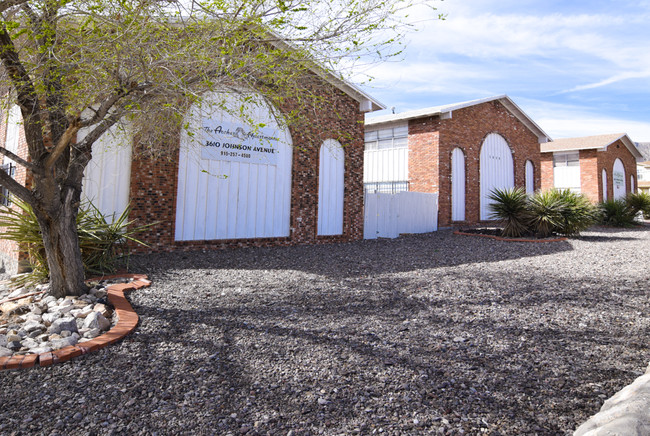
{"x":425,"y":334}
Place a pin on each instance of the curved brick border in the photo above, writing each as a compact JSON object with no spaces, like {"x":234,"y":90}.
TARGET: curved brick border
{"x":127,"y":320}
{"x":499,"y":238}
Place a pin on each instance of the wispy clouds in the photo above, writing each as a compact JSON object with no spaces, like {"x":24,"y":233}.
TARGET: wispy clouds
{"x":583,"y":57}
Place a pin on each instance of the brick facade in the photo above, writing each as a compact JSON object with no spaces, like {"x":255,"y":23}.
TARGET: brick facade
{"x":154,"y":182}
{"x":432,"y":140}
{"x":592,"y":164}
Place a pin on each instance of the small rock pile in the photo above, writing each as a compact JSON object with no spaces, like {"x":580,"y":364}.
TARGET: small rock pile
{"x":42,"y":323}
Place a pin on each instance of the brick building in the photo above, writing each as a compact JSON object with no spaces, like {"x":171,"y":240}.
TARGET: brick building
{"x":601,"y":167}
{"x":230,"y":185}
{"x":461,"y":151}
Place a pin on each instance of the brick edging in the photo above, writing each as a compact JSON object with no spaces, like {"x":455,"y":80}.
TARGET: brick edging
{"x":499,"y":238}
{"x":127,"y":320}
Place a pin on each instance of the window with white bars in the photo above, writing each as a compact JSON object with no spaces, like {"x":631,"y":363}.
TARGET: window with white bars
{"x":382,"y":139}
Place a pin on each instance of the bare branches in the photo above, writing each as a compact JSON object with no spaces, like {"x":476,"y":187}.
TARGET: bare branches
{"x":18,"y":159}
{"x":5,"y":5}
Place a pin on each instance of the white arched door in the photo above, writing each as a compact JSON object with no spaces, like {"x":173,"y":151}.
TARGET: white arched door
{"x":530,"y":177}
{"x":618,"y":179}
{"x":234,"y":177}
{"x":496,"y":169}
{"x":331,"y":172}
{"x":604,"y":181}
{"x":457,"y":185}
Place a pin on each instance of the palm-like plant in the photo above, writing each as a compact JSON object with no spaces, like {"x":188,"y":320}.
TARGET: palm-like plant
{"x":578,"y":212}
{"x":639,"y":202}
{"x":547,"y":212}
{"x":509,"y":206}
{"x":617,"y":213}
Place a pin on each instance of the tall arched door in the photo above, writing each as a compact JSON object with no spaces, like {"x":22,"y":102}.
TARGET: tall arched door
{"x":457,"y":185}
{"x":496,"y":170}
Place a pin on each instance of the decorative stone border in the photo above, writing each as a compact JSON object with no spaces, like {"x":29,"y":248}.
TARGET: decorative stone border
{"x":127,"y":320}
{"x":499,"y":238}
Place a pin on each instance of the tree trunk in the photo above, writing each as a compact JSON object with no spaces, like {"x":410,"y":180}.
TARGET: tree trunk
{"x":61,"y":243}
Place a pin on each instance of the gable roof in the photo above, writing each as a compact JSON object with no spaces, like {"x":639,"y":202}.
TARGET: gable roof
{"x":597,"y":142}
{"x":446,"y":112}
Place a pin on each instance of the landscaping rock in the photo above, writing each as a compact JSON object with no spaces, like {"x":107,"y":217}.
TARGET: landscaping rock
{"x":63,"y":324}
{"x":96,"y":321}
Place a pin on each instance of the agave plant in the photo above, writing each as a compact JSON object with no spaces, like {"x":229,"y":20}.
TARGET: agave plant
{"x":509,"y":206}
{"x":103,"y":242}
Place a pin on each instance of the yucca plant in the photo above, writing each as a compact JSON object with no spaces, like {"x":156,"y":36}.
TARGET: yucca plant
{"x":617,"y":213}
{"x":639,"y":202}
{"x":509,"y":206}
{"x":578,"y":212}
{"x":103,"y":243}
{"x":547,"y":212}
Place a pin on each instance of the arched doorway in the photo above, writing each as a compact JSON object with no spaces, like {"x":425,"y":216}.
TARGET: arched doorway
{"x":496,"y":169}
{"x":618,"y":179}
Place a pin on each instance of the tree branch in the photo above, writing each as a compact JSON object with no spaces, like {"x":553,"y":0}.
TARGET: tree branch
{"x":17,"y":189}
{"x":8,"y":4}
{"x":30,"y":166}
{"x":62,"y":145}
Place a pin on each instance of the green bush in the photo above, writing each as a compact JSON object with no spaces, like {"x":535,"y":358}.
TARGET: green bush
{"x":639,"y":202}
{"x":509,"y":206}
{"x":543,"y":213}
{"x":103,"y":244}
{"x":617,"y":213}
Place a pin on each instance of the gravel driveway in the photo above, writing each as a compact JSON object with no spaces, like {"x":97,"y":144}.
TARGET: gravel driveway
{"x":425,"y":334}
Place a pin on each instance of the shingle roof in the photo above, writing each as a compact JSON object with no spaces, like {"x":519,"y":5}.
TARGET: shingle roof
{"x":447,"y":110}
{"x":597,"y":142}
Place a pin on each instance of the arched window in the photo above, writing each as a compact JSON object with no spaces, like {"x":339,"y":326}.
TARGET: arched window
{"x":457,"y":185}
{"x":604,"y":182}
{"x":331,"y":172}
{"x":496,"y":170}
{"x":618,"y":179}
{"x":530,"y":177}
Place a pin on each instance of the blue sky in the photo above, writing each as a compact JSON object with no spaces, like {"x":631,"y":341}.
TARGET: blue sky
{"x":577,"y":68}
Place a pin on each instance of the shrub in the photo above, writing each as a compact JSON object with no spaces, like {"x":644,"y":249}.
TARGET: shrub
{"x":639,"y":202}
{"x":103,"y":244}
{"x":509,"y":206}
{"x":547,"y":212}
{"x":617,"y":213}
{"x":578,"y":212}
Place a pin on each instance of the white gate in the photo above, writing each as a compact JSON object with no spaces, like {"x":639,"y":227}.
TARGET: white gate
{"x":331,"y":171}
{"x":618,"y":179}
{"x":389,"y":215}
{"x":107,"y":177}
{"x":496,"y":169}
{"x":457,"y":185}
{"x":234,"y":178}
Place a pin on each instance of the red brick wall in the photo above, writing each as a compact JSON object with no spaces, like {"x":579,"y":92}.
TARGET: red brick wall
{"x":154,"y":183}
{"x":9,"y":253}
{"x":590,"y":175}
{"x":606,"y":161}
{"x":546,"y":162}
{"x":430,"y":166}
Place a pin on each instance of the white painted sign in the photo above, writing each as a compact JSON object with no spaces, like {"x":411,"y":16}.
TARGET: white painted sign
{"x":236,"y":142}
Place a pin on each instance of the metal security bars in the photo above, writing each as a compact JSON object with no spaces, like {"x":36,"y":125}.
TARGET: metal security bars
{"x":386,"y":187}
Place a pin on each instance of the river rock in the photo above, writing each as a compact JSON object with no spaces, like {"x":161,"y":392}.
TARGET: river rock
{"x":96,"y":321}
{"x":33,"y":325}
{"x":63,"y":324}
{"x":5,"y":352}
{"x":64,"y":342}
{"x":49,"y":318}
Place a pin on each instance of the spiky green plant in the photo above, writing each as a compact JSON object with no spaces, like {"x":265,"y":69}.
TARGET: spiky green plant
{"x":509,"y":206}
{"x":103,"y":243}
{"x":639,"y":202}
{"x":578,"y":212}
{"x":617,"y":213}
{"x":547,"y":212}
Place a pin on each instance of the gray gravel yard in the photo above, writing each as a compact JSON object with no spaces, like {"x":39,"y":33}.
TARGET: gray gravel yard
{"x":425,"y":334}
